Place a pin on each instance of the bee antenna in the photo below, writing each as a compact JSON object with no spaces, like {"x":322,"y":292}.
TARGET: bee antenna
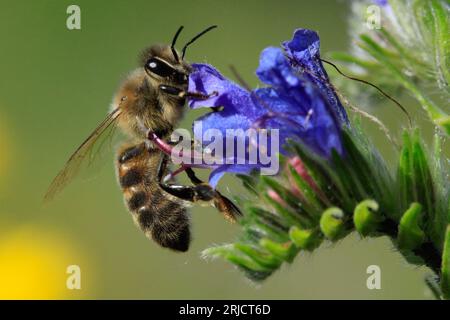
{"x":195,"y":38}
{"x":172,"y":47}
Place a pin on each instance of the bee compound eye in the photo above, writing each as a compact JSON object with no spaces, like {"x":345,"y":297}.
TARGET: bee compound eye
{"x":159,"y":67}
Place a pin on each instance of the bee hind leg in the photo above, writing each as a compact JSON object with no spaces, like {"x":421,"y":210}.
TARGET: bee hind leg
{"x":200,"y":192}
{"x":230,"y":211}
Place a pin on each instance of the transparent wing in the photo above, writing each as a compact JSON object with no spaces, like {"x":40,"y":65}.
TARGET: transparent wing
{"x":86,"y":154}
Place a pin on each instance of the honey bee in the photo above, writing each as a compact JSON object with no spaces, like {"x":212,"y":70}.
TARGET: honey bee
{"x":152,"y":96}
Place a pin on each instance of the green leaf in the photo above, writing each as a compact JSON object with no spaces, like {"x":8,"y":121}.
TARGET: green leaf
{"x":370,"y":182}
{"x":422,"y":174}
{"x":305,"y":239}
{"x":348,"y":58}
{"x":385,"y":58}
{"x":438,"y":27}
{"x":445,"y":278}
{"x":291,"y":217}
{"x":289,"y":197}
{"x":402,"y":51}
{"x":258,"y":228}
{"x":313,"y":202}
{"x":432,"y":282}
{"x":444,"y":122}
{"x":325,"y":177}
{"x":346,"y":176}
{"x":405,"y":173}
{"x":264,"y":223}
{"x":264,"y":259}
{"x":424,"y":185}
{"x":284,"y":251}
{"x":233,"y":255}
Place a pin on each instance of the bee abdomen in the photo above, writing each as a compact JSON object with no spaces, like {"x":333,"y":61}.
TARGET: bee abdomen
{"x":161,"y":217}
{"x":163,"y":220}
{"x":131,"y":178}
{"x":130,"y":153}
{"x":171,"y":228}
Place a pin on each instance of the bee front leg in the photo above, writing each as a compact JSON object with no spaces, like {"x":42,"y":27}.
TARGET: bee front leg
{"x":174,"y":91}
{"x":200,"y":96}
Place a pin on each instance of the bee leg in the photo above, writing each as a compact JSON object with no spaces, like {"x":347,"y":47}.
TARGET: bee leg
{"x":200,"y":96}
{"x":174,"y":91}
{"x":187,"y":193}
{"x":216,"y":109}
{"x":131,"y":153}
{"x":200,"y":192}
{"x":220,"y":202}
{"x":191,"y":175}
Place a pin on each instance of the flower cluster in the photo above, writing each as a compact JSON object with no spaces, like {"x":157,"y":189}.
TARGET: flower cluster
{"x":298,"y":100}
{"x":332,"y":180}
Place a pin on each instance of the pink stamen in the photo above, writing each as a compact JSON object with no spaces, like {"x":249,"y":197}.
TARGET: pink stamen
{"x":300,"y":168}
{"x":276,"y":197}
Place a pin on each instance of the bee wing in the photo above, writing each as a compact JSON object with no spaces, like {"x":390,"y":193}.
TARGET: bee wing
{"x":85,"y":154}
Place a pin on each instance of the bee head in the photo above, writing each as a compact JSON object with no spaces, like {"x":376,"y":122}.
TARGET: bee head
{"x":164,"y":62}
{"x":159,"y":63}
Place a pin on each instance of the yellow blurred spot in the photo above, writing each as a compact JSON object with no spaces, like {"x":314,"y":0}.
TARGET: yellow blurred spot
{"x":33,"y":265}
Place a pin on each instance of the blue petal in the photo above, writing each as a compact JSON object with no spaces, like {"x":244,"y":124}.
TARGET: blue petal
{"x":205,"y":79}
{"x":274,"y":69}
{"x":304,"y":53}
{"x":222,"y":121}
{"x":309,"y":120}
{"x":218,"y":173}
{"x":381,"y":2}
{"x":304,"y":46}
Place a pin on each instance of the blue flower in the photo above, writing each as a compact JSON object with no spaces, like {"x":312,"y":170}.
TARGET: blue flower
{"x":298,"y":101}
{"x":381,"y":2}
{"x":303,"y":52}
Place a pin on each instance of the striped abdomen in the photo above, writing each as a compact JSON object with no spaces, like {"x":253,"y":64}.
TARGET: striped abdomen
{"x":161,"y":217}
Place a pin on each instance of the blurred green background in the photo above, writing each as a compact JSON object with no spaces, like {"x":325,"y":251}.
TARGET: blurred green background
{"x":56,"y":86}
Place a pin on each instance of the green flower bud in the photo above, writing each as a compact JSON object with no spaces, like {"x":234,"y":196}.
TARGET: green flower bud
{"x":332,"y":223}
{"x":365,"y":218}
